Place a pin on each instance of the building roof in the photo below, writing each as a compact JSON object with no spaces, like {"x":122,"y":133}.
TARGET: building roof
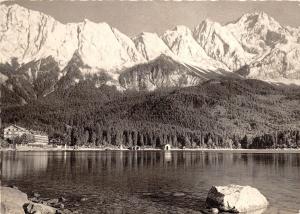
{"x":18,"y":127}
{"x":37,"y":132}
{"x":34,"y":132}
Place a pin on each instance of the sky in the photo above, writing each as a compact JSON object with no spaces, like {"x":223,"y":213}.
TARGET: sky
{"x":132,"y":17}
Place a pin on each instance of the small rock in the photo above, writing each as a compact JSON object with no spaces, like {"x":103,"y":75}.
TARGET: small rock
{"x":36,"y":195}
{"x":59,"y":205}
{"x":52,"y":201}
{"x":44,"y":199}
{"x":66,"y":211}
{"x":44,"y":202}
{"x":83,"y":199}
{"x":34,"y":199}
{"x":214,"y":210}
{"x":62,"y":199}
{"x":34,"y":208}
{"x":178,"y":194}
{"x":147,"y":193}
{"x":28,"y":207}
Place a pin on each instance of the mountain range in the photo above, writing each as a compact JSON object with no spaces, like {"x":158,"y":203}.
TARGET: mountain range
{"x":40,"y":55}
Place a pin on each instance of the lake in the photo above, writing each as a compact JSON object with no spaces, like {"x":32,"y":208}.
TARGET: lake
{"x":151,"y":181}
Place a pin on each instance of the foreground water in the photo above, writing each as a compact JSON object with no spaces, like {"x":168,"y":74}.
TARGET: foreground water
{"x":151,"y":181}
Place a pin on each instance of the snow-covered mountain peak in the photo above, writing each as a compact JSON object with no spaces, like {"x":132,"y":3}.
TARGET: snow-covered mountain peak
{"x":14,"y":7}
{"x":151,"y":46}
{"x":29,"y":35}
{"x":255,"y":39}
{"x":105,"y":47}
{"x":95,"y":24}
{"x":208,"y":22}
{"x":86,"y":20}
{"x":258,"y":32}
{"x":26,"y":34}
{"x":17,"y":15}
{"x":145,"y":33}
{"x":258,"y":18}
{"x":207,"y":25}
{"x":90,"y":24}
{"x":183,"y":44}
{"x":219,"y":43}
{"x":182,"y":30}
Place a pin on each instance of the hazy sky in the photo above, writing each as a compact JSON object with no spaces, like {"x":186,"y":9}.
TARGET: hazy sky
{"x":157,"y":16}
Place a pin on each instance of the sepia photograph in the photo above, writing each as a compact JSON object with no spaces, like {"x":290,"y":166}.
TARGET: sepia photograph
{"x":149,"y":107}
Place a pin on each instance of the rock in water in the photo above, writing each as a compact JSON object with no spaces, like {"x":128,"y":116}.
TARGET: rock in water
{"x":235,"y":198}
{"x":62,"y":199}
{"x":214,"y":210}
{"x":178,"y":194}
{"x":12,"y":200}
{"x":83,"y":199}
{"x":36,"y":195}
{"x":31,"y":208}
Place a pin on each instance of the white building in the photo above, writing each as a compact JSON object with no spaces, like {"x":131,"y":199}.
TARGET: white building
{"x":40,"y":138}
{"x":13,"y":131}
{"x":167,"y":147}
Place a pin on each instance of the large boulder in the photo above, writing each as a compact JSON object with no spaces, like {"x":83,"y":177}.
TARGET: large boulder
{"x":235,"y":198}
{"x":12,"y":200}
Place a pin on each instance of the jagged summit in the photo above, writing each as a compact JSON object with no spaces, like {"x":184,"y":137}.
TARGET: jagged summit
{"x":38,"y":36}
{"x":208,"y":21}
{"x":151,"y":46}
{"x":220,"y":44}
{"x":182,"y":29}
{"x":183,"y":44}
{"x":256,"y":16}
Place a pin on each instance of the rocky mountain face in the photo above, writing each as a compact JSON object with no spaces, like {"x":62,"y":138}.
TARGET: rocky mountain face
{"x":151,"y":46}
{"x":275,"y":48}
{"x":182,"y":43}
{"x":165,"y":72}
{"x":29,"y":35}
{"x":32,"y":80}
{"x":39,"y":54}
{"x":220,"y":44}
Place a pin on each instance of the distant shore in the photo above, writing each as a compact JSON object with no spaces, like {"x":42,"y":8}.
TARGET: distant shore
{"x":25,"y":149}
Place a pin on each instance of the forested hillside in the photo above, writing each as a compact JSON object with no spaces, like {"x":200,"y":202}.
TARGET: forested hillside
{"x":218,"y":113}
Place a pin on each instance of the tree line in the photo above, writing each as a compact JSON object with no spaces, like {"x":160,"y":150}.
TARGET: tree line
{"x":156,"y":136}
{"x":219,"y":114}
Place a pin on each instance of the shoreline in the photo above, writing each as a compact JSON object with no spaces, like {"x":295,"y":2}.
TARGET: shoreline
{"x":32,"y":149}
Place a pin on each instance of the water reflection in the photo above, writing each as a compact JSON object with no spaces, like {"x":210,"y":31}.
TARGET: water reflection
{"x":16,"y":164}
{"x":168,"y":156}
{"x":117,"y":177}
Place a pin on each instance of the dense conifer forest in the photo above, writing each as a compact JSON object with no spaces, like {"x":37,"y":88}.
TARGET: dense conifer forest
{"x":228,"y":113}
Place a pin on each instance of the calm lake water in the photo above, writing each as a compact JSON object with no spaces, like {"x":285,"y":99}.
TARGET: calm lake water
{"x":151,"y":181}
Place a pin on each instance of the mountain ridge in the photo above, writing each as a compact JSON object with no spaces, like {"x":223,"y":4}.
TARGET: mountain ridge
{"x":270,"y":51}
